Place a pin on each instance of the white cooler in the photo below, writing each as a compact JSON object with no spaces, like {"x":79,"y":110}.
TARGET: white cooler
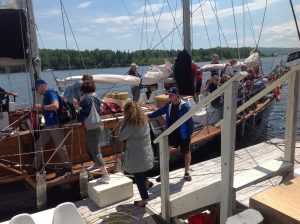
{"x":117,"y":189}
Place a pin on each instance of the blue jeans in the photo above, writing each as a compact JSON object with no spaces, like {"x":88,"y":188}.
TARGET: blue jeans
{"x":140,"y":180}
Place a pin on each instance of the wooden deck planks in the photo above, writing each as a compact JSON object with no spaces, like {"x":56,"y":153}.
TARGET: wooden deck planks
{"x":203,"y":174}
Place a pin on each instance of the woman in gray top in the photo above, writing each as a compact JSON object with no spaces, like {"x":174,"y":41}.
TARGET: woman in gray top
{"x":89,"y":104}
{"x":138,"y":157}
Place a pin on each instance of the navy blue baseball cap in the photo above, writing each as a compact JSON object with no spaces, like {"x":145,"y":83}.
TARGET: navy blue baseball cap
{"x":173,"y":90}
{"x":39,"y":82}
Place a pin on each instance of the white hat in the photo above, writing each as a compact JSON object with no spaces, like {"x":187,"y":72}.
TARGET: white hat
{"x":134,"y":65}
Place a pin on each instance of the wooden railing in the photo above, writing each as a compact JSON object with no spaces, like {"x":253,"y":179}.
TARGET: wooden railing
{"x":229,"y":89}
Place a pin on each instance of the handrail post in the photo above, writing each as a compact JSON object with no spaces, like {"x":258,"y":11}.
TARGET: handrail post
{"x":228,"y":131}
{"x":164,"y":174}
{"x":291,"y":116}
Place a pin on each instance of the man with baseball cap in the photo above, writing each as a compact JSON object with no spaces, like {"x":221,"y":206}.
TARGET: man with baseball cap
{"x":135,"y":90}
{"x":181,"y":137}
{"x":52,"y":131}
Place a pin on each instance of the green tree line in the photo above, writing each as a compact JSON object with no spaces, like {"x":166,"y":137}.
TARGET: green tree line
{"x":59,"y":59}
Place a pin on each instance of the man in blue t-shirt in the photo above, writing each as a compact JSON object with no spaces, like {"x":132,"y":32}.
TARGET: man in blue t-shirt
{"x":52,"y":131}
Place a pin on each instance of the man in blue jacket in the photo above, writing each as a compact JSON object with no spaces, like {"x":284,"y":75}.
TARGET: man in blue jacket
{"x":181,"y":137}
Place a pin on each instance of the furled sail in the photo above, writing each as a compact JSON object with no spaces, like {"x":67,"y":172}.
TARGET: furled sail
{"x":158,"y":74}
{"x":249,"y":62}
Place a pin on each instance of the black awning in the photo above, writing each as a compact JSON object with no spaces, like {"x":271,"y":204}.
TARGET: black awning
{"x":13,"y":31}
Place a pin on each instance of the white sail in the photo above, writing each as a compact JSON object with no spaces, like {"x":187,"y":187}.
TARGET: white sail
{"x":252,"y":60}
{"x":158,"y":74}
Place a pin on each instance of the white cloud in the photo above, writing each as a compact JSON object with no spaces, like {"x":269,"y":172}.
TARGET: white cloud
{"x":113,"y":20}
{"x":84,"y":5}
{"x":112,"y":30}
{"x":48,"y":14}
{"x":284,"y":35}
{"x":155,"y":8}
{"x":297,"y":8}
{"x":54,"y":36}
{"x":126,"y":36}
{"x":84,"y":29}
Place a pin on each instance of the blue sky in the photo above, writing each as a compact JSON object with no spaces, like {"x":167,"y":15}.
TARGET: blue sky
{"x":118,"y":24}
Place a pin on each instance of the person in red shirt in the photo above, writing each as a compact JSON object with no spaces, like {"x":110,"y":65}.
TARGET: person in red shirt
{"x":197,"y":74}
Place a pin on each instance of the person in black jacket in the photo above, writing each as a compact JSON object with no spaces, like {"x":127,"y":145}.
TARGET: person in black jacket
{"x":4,"y":99}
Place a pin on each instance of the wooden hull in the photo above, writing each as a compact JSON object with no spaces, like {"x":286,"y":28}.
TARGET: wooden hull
{"x":17,"y":151}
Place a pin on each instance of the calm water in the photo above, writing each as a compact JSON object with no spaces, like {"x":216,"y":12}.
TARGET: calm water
{"x":11,"y":203}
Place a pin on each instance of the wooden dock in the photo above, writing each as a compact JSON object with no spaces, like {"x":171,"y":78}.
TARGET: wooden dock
{"x":203,"y":174}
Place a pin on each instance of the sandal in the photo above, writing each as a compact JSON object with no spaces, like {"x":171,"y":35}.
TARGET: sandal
{"x":149,"y":185}
{"x":140,"y":203}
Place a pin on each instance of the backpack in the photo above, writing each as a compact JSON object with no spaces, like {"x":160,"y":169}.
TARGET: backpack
{"x":94,"y":120}
{"x":65,"y":112}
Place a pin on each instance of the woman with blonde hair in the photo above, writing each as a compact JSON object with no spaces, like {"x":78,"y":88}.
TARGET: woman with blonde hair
{"x":138,"y":157}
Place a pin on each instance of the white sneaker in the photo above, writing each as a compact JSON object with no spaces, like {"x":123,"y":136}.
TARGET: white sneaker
{"x":103,"y":179}
{"x":91,"y":168}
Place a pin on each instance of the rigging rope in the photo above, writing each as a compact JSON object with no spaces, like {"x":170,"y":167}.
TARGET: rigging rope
{"x":262,"y":24}
{"x":156,"y":25}
{"x":244,"y":30}
{"x":219,"y":25}
{"x":295,"y":18}
{"x":54,"y":76}
{"x":174,"y":20}
{"x":251,"y":24}
{"x":205,"y":27}
{"x":73,"y":36}
{"x":219,"y":33}
{"x":132,"y":19}
{"x":65,"y":36}
{"x":142,"y":34}
{"x":236,"y":34}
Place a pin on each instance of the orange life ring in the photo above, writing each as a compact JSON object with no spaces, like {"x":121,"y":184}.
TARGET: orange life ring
{"x":276,"y":93}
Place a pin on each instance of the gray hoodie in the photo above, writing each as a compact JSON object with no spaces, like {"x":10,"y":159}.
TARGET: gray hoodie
{"x":138,"y":152}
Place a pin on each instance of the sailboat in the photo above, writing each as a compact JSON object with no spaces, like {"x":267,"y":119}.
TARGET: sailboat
{"x":17,"y":145}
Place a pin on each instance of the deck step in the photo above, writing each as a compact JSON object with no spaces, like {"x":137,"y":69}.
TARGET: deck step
{"x":261,"y":172}
{"x":182,"y":203}
{"x":118,"y":188}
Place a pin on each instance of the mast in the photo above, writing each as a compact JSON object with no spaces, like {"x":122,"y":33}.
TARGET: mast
{"x":186,"y":26}
{"x":33,"y":60}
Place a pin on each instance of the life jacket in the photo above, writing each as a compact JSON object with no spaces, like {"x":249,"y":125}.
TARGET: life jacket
{"x":196,"y":73}
{"x":110,"y":108}
{"x":276,"y":93}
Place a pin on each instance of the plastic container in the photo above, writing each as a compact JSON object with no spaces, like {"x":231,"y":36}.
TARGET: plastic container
{"x":12,"y":106}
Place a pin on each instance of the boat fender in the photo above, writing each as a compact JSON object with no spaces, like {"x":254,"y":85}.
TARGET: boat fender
{"x":83,"y":180}
{"x":41,"y":190}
